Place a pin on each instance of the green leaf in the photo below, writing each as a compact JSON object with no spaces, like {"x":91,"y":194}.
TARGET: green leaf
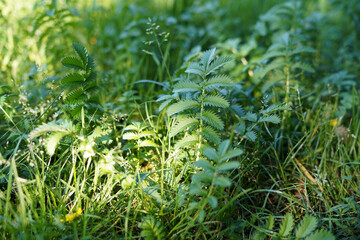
{"x":147,"y":143}
{"x":186,"y":141}
{"x":130,"y":136}
{"x":66,"y":127}
{"x":52,"y":141}
{"x":210,"y":134}
{"x":303,"y":66}
{"x":195,"y":190}
{"x":213,"y":202}
{"x":273,"y":65}
{"x":228,"y":166}
{"x":201,"y":216}
{"x":223,"y":147}
{"x":152,"y":229}
{"x":231,"y":154}
{"x":222,"y":181}
{"x":251,"y":135}
{"x":211,"y":154}
{"x":212,"y":119}
{"x":306,"y":226}
{"x":182,"y":125}
{"x":195,"y":68}
{"x":82,"y":53}
{"x":205,"y":164}
{"x":72,"y":79}
{"x":272,"y":119}
{"x":252,"y":117}
{"x":217,"y":63}
{"x":72,"y":62}
{"x":76,"y":96}
{"x":270,"y":222}
{"x":182,"y":106}
{"x":218,"y":81}
{"x":207,"y":57}
{"x":216,"y":101}
{"x":321,"y":235}
{"x":201,"y":177}
{"x":186,"y":86}
{"x":286,"y":225}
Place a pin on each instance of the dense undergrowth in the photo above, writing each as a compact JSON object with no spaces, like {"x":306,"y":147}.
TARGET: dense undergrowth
{"x":167,"y":119}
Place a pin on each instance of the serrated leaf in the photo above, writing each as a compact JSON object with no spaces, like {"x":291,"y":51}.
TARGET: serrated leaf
{"x":212,"y":119}
{"x":66,"y":127}
{"x":52,"y":141}
{"x":216,"y":101}
{"x":207,"y":57}
{"x":274,"y":108}
{"x":228,"y":166}
{"x":222,"y":181}
{"x":147,"y":143}
{"x":182,"y":125}
{"x":273,"y":65}
{"x":186,"y":86}
{"x":211,"y":154}
{"x":201,"y":216}
{"x":195,"y":68}
{"x":82,"y":52}
{"x":213,"y":202}
{"x":218,"y":81}
{"x":182,"y":106}
{"x":251,"y":135}
{"x":210,"y":134}
{"x":272,"y":119}
{"x":130,"y":136}
{"x":164,"y":104}
{"x":217,"y":63}
{"x":72,"y":79}
{"x":306,"y":226}
{"x":321,"y":235}
{"x":72,"y":62}
{"x":205,"y":164}
{"x":286,"y":225}
{"x":186,"y":141}
{"x":252,"y":117}
{"x":303,"y":66}
{"x":270,"y":222}
{"x":75,"y":96}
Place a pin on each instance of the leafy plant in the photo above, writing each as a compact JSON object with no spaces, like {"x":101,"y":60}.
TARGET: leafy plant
{"x":195,"y":102}
{"x":306,"y":229}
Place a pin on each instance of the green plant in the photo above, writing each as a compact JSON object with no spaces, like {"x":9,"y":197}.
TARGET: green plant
{"x":306,"y":229}
{"x":197,"y":101}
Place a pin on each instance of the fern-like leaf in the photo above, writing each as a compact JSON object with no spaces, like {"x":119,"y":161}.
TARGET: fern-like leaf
{"x":186,"y":141}
{"x":186,"y":86}
{"x":215,"y":101}
{"x":72,"y":79}
{"x":182,"y":106}
{"x":217,"y":63}
{"x":210,"y":134}
{"x":271,"y":118}
{"x":65,"y":127}
{"x":152,"y":229}
{"x":207,"y":57}
{"x":182,"y":125}
{"x":195,"y":68}
{"x":212,"y":119}
{"x":218,"y":81}
{"x":73,"y":62}
{"x":82,"y":53}
{"x":52,"y":141}
{"x":75,"y":96}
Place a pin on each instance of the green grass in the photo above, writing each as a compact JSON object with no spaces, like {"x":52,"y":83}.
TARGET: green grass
{"x":114,"y":168}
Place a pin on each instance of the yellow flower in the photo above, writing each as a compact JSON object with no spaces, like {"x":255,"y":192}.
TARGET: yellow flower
{"x":72,"y":216}
{"x":334,"y":122}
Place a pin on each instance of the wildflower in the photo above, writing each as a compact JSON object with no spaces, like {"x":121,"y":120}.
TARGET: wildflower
{"x":334,"y":123}
{"x":72,"y":216}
